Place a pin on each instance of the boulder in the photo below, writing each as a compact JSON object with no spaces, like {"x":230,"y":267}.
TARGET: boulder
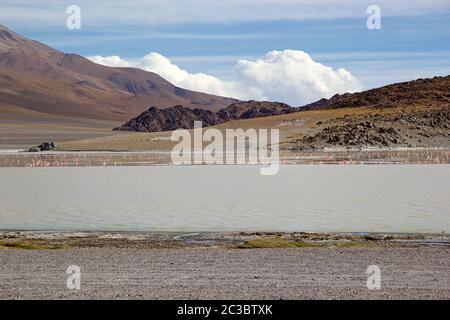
{"x":34,"y":149}
{"x":44,"y":146}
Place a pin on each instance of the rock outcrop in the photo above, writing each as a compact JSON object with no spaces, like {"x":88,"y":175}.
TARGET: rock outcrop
{"x":413,"y":127}
{"x":44,"y":146}
{"x":180,"y":117}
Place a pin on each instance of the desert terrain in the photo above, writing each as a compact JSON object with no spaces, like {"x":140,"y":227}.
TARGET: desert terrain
{"x":414,"y":114}
{"x":312,"y":130}
{"x":46,"y":94}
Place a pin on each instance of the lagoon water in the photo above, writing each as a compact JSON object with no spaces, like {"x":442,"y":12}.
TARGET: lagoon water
{"x":354,"y":198}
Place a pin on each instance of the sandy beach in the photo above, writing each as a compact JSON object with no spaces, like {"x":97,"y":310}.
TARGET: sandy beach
{"x":304,"y":266}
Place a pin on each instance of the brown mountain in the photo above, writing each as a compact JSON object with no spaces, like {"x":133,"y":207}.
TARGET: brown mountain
{"x":40,"y":85}
{"x":407,"y":114}
{"x":179,"y":117}
{"x":410,"y":114}
{"x":421,"y":92}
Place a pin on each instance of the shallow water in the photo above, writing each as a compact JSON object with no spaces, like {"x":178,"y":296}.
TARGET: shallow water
{"x":357,"y":198}
{"x":12,"y":158}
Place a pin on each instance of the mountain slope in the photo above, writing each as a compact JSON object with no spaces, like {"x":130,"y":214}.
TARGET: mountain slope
{"x":423,"y":92}
{"x":47,"y":94}
{"x":408,"y":114}
{"x":420,"y":92}
{"x":38,"y":80}
{"x":412,"y":114}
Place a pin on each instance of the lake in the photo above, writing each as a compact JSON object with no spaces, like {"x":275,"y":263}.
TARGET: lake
{"x":353,"y":198}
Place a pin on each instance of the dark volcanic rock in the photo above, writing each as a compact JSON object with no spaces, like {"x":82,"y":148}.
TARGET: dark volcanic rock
{"x":179,"y":117}
{"x":253,"y":109}
{"x":44,"y":146}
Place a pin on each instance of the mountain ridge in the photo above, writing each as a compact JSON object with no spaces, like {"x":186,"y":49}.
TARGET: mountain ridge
{"x":110,"y":93}
{"x":421,"y":92}
{"x":180,"y":117}
{"x":428,"y":91}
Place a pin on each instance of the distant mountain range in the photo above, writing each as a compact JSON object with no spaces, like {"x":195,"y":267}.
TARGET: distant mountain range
{"x":37,"y":78}
{"x":434,"y":92}
{"x":46,"y":94}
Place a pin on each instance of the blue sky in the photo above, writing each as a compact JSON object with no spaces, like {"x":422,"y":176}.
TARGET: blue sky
{"x":414,"y":40}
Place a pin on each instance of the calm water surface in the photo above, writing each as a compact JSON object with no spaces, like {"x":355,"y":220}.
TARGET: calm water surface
{"x":372,"y":198}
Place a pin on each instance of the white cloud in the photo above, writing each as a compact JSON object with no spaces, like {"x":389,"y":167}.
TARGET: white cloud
{"x":112,"y":61}
{"x":155,"y":62}
{"x":289,"y":76}
{"x":294,"y":77}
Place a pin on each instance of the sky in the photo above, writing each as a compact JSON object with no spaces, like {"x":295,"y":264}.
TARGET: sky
{"x":293,"y":51}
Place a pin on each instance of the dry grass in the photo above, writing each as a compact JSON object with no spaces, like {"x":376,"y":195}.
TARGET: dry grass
{"x":293,"y":124}
{"x":292,"y":127}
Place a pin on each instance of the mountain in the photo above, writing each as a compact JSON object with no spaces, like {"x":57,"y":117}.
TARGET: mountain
{"x":177,"y":117}
{"x":409,"y":114}
{"x":420,"y":92}
{"x":39,"y":84}
{"x":180,"y":117}
{"x":253,"y":109}
{"x":415,"y":114}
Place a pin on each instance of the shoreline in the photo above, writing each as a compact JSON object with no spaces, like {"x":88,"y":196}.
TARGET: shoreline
{"x":100,"y":158}
{"x":150,"y":151}
{"x":227,"y":240}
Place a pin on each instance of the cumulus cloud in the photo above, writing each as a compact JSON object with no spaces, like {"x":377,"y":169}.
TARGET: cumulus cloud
{"x":289,"y":76}
{"x":112,"y":61}
{"x":155,"y":62}
{"x":293,"y":76}
{"x":202,"y":82}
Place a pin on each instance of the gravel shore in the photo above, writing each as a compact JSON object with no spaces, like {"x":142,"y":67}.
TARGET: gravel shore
{"x":415,"y":272}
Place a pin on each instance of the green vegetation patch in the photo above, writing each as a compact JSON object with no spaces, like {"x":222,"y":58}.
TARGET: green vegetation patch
{"x":273,"y":243}
{"x":29,"y":245}
{"x":276,"y":243}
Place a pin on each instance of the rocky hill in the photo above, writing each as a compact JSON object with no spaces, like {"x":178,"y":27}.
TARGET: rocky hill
{"x":337,"y":123}
{"x":180,"y":117}
{"x":421,"y":92}
{"x":409,"y":114}
{"x":409,"y":127}
{"x":253,"y":109}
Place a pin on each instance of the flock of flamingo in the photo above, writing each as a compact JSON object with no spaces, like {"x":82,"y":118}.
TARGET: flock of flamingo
{"x":76,"y":159}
